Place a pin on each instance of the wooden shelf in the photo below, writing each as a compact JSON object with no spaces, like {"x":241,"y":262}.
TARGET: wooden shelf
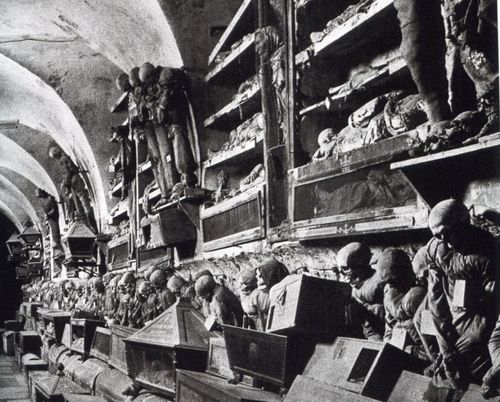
{"x":236,"y":111}
{"x":356,"y":30}
{"x":250,"y":150}
{"x":349,"y":101}
{"x":116,"y":190}
{"x":237,"y":66}
{"x":484,"y":145}
{"x":145,"y":167}
{"x":449,"y":174}
{"x":118,"y":213}
{"x":240,"y":25}
{"x":378,"y":152}
{"x":121,"y":104}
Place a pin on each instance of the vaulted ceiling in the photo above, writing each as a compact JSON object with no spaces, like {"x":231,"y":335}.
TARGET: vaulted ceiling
{"x":58,"y":63}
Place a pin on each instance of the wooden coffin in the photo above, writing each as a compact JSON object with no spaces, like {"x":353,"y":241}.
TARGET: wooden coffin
{"x":202,"y":387}
{"x":308,"y":305}
{"x":272,"y":358}
{"x":175,"y":339}
{"x":33,"y":376}
{"x":118,"y":352}
{"x":71,"y":365}
{"x":111,"y":385}
{"x":54,"y":355}
{"x":32,"y":310}
{"x":32,"y":364}
{"x":30,"y":342}
{"x":101,"y":344}
{"x":218,"y":362}
{"x":118,"y":252}
{"x":9,"y":341}
{"x":82,"y":334}
{"x":54,"y":322}
{"x":308,"y":389}
{"x":13,"y":325}
{"x":416,"y":387}
{"x":234,"y":221}
{"x":86,"y":373}
{"x":168,"y":227}
{"x":364,"y":367}
{"x":51,"y":389}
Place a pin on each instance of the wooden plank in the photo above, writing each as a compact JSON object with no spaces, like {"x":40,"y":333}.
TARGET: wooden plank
{"x":391,"y":219}
{"x":145,"y":167}
{"x":349,"y":101}
{"x":251,"y":149}
{"x":356,"y":159}
{"x":238,"y":57}
{"x":116,"y":190}
{"x":232,"y":202}
{"x":333,"y":42}
{"x":231,"y":33}
{"x":237,"y":238}
{"x":447,"y":154}
{"x":231,"y":115}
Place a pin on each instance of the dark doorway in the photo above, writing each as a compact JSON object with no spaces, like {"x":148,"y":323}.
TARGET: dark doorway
{"x":10,"y":288}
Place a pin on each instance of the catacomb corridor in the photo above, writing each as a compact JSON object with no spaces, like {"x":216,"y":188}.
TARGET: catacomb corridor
{"x":249,"y":200}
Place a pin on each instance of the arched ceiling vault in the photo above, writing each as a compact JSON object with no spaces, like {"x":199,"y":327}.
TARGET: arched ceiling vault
{"x":15,"y":158}
{"x":35,"y":104}
{"x":127,"y":32}
{"x":8,"y":191}
{"x":9,"y":213}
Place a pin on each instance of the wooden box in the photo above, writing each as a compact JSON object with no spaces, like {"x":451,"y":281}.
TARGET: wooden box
{"x":272,"y":358}
{"x":237,"y":220}
{"x":175,"y":339}
{"x":111,"y":384}
{"x":54,"y":356}
{"x":13,"y":325}
{"x":9,"y":341}
{"x":364,"y":367}
{"x":86,"y":373}
{"x":308,"y":389}
{"x":32,"y":310}
{"x":203,"y":387}
{"x":168,"y":227}
{"x":118,"y":352}
{"x":51,"y":389}
{"x":416,"y":387}
{"x":308,"y":305}
{"x":32,"y":365}
{"x":82,"y":334}
{"x":218,"y":362}
{"x":118,"y":252}
{"x":33,"y":376}
{"x":54,"y":322}
{"x":30,"y":342}
{"x":101,"y":344}
{"x":329,"y":200}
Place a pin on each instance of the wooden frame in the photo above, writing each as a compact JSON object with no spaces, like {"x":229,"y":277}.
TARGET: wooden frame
{"x":255,"y":233}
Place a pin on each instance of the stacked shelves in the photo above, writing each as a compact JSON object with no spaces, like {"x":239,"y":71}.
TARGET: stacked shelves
{"x":338,"y":196}
{"x":233,"y":62}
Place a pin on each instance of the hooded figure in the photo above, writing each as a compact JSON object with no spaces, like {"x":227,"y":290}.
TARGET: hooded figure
{"x":402,"y":297}
{"x":461,"y":252}
{"x":353,"y":261}
{"x":224,"y":304}
{"x":269,"y":273}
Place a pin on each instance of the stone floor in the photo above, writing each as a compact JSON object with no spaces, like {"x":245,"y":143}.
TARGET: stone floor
{"x":12,"y":383}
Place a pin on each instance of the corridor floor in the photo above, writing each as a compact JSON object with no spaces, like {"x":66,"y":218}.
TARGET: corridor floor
{"x":12,"y":383}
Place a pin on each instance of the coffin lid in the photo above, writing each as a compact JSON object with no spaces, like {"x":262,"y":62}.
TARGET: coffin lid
{"x":80,"y":230}
{"x":15,"y":239}
{"x":181,"y":326}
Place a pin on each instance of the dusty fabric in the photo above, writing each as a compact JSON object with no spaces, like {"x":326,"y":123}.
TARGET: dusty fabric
{"x":404,"y":113}
{"x":370,"y":298}
{"x":226,"y":307}
{"x":400,"y":309}
{"x":259,"y":304}
{"x":462,"y":331}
